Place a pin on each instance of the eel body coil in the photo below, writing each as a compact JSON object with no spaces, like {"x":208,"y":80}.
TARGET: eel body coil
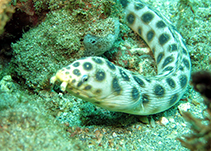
{"x":104,"y":84}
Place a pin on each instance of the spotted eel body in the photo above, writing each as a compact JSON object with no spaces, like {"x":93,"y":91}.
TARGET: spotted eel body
{"x":104,"y":84}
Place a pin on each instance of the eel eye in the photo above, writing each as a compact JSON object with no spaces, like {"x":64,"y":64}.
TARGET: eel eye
{"x":84,"y":78}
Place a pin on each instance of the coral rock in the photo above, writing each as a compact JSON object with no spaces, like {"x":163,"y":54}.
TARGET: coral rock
{"x":6,"y":12}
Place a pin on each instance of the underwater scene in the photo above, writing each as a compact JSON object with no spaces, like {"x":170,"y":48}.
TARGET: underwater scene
{"x":96,"y":75}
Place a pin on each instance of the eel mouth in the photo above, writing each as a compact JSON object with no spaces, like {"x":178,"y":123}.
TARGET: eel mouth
{"x":75,"y":90}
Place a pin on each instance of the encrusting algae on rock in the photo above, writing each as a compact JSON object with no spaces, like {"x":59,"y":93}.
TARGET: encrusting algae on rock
{"x":58,"y":40}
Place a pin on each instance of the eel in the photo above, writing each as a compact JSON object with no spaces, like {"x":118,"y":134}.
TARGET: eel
{"x":109,"y":86}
